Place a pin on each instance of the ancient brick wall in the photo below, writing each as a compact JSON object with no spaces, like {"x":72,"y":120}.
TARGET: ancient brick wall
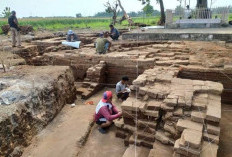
{"x":216,"y":75}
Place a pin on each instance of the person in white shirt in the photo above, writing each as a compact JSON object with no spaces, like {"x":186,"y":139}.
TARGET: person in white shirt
{"x":122,"y":89}
{"x":188,"y":13}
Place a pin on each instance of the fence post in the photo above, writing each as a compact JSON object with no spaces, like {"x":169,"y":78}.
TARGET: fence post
{"x":169,"y":17}
{"x":225,"y":15}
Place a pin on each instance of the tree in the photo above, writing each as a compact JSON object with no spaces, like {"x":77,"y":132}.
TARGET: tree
{"x":6,"y":12}
{"x":162,"y":12}
{"x":202,"y":3}
{"x":148,"y":9}
{"x":78,"y":15}
{"x":112,"y":8}
{"x":125,"y":16}
{"x":179,"y":10}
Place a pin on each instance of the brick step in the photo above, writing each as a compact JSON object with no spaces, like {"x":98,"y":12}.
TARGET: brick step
{"x":170,"y":54}
{"x":171,"y":62}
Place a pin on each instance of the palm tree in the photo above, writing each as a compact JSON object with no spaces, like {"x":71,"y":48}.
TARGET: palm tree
{"x":162,"y":12}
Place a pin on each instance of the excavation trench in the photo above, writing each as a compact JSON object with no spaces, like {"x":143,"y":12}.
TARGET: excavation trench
{"x":57,"y":75}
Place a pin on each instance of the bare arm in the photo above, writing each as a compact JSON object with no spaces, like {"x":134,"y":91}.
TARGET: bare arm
{"x":105,"y":113}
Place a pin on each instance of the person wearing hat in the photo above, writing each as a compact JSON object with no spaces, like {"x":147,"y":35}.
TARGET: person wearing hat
{"x":72,"y":37}
{"x":102,"y":44}
{"x":114,"y":34}
{"x":106,"y":112}
{"x":122,"y":90}
{"x":15,"y":30}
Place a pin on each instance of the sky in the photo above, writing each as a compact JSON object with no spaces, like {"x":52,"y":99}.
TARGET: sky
{"x":46,"y":8}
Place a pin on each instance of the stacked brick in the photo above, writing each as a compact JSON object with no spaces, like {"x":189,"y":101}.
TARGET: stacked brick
{"x":222,"y":75}
{"x":177,"y":112}
{"x":94,"y":81}
{"x":96,"y":73}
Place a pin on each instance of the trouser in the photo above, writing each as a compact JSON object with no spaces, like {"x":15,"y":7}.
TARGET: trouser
{"x":114,"y":37}
{"x":15,"y":35}
{"x":123,"y":96}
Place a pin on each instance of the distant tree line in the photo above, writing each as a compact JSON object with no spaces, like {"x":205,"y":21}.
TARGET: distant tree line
{"x":131,"y":14}
{"x":221,"y":9}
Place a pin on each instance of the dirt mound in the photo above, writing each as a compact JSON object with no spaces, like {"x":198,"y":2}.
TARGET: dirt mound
{"x":23,"y":29}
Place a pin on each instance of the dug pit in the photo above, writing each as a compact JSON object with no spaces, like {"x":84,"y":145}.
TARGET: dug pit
{"x":172,"y":91}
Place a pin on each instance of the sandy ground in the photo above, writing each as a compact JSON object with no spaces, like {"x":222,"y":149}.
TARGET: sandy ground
{"x":59,"y":138}
{"x":100,"y":145}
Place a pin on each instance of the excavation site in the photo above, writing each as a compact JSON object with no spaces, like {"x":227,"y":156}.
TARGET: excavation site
{"x":179,"y":106}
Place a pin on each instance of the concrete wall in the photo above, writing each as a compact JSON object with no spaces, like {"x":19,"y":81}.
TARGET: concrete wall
{"x":177,"y":36}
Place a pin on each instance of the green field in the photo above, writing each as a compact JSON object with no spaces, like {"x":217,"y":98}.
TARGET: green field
{"x":75,"y":23}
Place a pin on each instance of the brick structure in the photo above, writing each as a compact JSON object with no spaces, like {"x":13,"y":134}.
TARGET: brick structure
{"x":182,"y":113}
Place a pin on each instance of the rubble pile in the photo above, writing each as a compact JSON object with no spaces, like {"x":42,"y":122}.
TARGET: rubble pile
{"x":181,"y":113}
{"x":23,"y":29}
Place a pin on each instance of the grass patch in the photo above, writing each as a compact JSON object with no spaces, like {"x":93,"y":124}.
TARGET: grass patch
{"x":72,"y":23}
{"x":75,"y":23}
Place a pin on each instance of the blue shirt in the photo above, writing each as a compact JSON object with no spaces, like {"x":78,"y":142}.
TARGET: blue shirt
{"x":115,"y":32}
{"x":120,"y":87}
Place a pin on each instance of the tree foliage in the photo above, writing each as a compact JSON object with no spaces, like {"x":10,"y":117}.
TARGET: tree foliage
{"x":162,"y":12}
{"x":78,"y":15}
{"x":112,"y":9}
{"x":179,"y":10}
{"x":148,"y":9}
{"x":6,"y":12}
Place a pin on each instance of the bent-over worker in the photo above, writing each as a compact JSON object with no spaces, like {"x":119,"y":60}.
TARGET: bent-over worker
{"x":72,"y":37}
{"x":102,"y":44}
{"x":106,"y":112}
{"x":114,"y":34}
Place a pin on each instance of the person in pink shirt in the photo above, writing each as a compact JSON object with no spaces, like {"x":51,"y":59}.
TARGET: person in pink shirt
{"x":106,"y":112}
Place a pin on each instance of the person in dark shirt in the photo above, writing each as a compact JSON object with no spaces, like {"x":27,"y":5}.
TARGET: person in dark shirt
{"x":72,"y":37}
{"x":15,"y":30}
{"x":114,"y":34}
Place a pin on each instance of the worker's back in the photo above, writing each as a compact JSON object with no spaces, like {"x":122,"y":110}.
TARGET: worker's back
{"x":100,"y":44}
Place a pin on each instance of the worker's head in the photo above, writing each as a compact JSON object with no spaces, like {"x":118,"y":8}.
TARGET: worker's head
{"x":111,"y":26}
{"x":125,"y":80}
{"x":187,"y":6}
{"x":13,"y":13}
{"x":70,"y":32}
{"x":106,"y":34}
{"x":107,"y":97}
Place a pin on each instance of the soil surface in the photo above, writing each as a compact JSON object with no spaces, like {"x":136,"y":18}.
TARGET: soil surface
{"x":225,"y":144}
{"x":99,"y":145}
{"x":60,"y":138}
